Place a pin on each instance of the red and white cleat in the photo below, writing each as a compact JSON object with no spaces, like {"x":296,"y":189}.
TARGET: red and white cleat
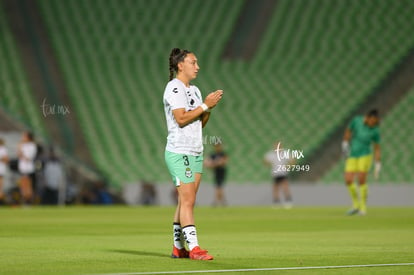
{"x":198,"y":254}
{"x":179,"y":253}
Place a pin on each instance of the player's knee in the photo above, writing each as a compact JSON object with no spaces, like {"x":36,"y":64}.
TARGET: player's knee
{"x":187,"y":195}
{"x":362,"y":178}
{"x":188,"y":203}
{"x":349,"y":177}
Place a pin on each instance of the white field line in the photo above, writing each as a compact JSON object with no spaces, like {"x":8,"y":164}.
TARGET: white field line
{"x":260,"y":269}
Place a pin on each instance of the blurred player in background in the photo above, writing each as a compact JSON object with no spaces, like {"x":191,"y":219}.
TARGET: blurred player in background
{"x":218,"y":162}
{"x":4,"y":159}
{"x":27,"y":151}
{"x":280,"y":175}
{"x":360,"y":136}
{"x":186,"y":115}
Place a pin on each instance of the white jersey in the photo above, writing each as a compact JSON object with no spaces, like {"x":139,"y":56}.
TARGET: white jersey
{"x":188,"y":139}
{"x":3,"y":165}
{"x":26,"y":163}
{"x":277,"y":164}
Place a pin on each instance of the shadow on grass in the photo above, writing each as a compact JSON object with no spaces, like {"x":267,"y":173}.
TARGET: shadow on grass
{"x":139,"y":253}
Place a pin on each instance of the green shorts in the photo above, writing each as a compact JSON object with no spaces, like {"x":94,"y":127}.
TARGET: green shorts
{"x":183,"y":167}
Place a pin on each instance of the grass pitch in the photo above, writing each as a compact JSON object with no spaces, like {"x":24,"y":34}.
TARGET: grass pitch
{"x":102,"y":240}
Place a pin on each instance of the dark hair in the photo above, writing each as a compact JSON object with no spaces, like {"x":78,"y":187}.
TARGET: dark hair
{"x":176,"y":56}
{"x":373,"y":113}
{"x":30,"y":136}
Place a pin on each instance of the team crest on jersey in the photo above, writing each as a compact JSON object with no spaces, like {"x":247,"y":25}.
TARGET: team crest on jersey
{"x":188,"y":172}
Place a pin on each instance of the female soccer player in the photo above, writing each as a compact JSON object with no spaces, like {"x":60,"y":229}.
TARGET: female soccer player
{"x":280,"y":175}
{"x":218,"y":162}
{"x":4,"y":159}
{"x":186,"y":115}
{"x":27,"y":151}
{"x":361,"y":134}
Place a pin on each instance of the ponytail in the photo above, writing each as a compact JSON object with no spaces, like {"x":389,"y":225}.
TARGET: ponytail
{"x":176,"y":56}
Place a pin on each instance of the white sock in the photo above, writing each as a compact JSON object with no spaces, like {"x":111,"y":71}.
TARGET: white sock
{"x":190,"y":235}
{"x":178,"y":236}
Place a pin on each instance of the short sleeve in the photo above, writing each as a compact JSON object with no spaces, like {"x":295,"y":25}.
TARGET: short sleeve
{"x":198,"y":94}
{"x":175,"y":96}
{"x":3,"y":152}
{"x":352,"y":124}
{"x":268,"y":156}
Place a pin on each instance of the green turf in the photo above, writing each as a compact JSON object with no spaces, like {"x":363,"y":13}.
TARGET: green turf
{"x":96,"y":240}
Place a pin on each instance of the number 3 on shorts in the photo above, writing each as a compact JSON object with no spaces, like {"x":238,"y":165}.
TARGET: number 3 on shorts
{"x":186,"y":162}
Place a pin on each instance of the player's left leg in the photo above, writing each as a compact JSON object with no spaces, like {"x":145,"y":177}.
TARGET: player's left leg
{"x":363,"y":192}
{"x":364,"y":164}
{"x":220,"y":200}
{"x":220,"y":176}
{"x":26,"y":189}
{"x":276,"y":191}
{"x":196,"y":253}
{"x":1,"y":190}
{"x":284,"y":184}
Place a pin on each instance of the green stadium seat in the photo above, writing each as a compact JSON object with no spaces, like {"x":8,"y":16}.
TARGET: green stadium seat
{"x":315,"y":63}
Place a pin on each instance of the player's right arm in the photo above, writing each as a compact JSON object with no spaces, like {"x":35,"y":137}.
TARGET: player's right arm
{"x":347,"y":138}
{"x":4,"y":159}
{"x":377,"y":158}
{"x":266,"y":160}
{"x":345,"y":142}
{"x":184,"y":117}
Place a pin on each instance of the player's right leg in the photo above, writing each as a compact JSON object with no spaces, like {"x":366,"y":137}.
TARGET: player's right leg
{"x":187,"y":195}
{"x":350,"y":170}
{"x":26,"y":189}
{"x":275,"y":191}
{"x":363,"y":192}
{"x":219,"y":191}
{"x":286,"y":192}
{"x":179,"y":250}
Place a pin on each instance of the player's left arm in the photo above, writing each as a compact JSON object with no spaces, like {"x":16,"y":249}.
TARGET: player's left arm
{"x":377,"y":158}
{"x":223,"y":161}
{"x":377,"y":152}
{"x":206,"y":115}
{"x":204,"y":118}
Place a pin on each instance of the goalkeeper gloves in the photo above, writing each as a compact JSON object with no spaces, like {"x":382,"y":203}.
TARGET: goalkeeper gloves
{"x":345,"y":148}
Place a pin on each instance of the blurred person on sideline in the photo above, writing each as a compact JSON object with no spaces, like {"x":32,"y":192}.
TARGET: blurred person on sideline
{"x":280,"y":175}
{"x":360,"y":136}
{"x":27,"y":150}
{"x":218,"y":162}
{"x":148,"y":193}
{"x":55,"y":180}
{"x":101,"y":194}
{"x":4,"y":159}
{"x":186,"y":114}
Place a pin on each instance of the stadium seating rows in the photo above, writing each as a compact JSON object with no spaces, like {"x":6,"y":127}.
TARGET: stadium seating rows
{"x":298,"y":87}
{"x":316,"y":62}
{"x":15,"y":92}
